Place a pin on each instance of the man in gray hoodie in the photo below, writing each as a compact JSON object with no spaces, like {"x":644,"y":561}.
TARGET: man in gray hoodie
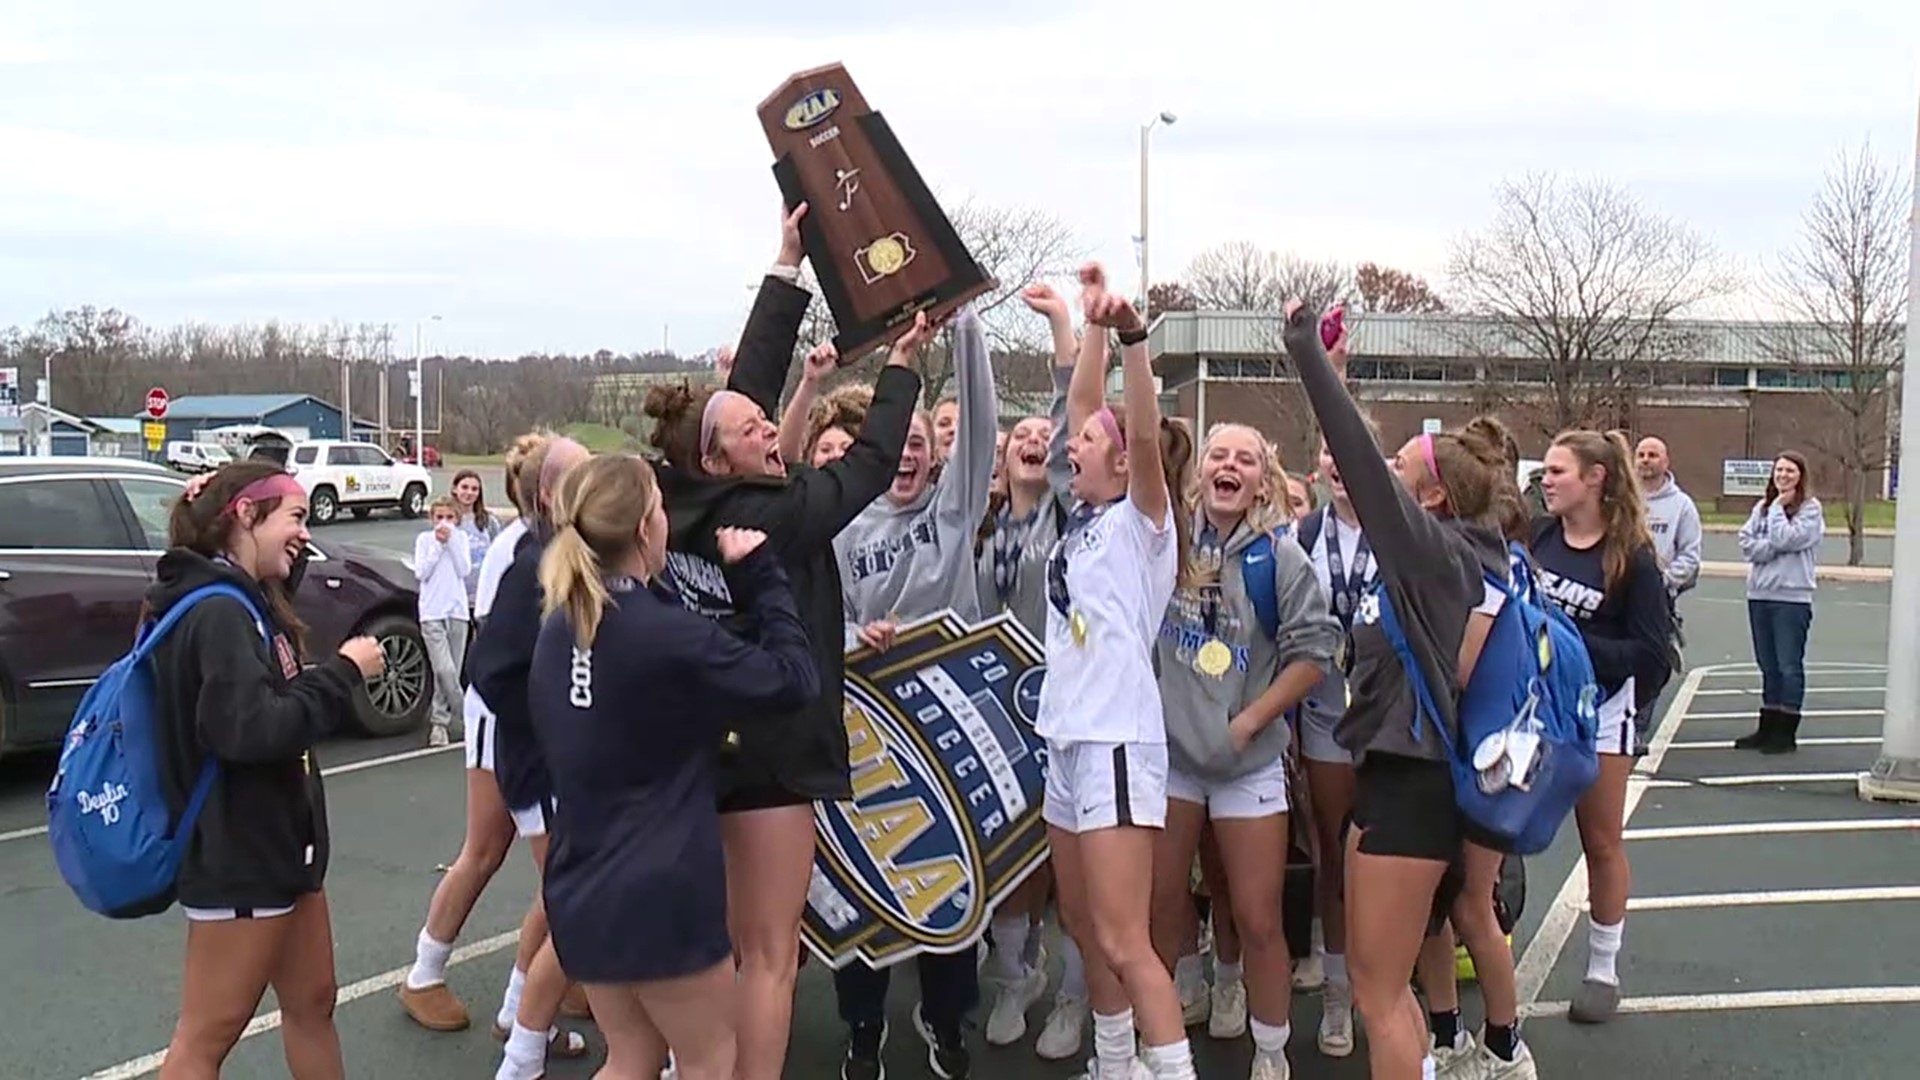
{"x":1671,"y":515}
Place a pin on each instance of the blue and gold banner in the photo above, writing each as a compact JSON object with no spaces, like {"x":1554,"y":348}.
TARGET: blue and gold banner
{"x":948,"y":778}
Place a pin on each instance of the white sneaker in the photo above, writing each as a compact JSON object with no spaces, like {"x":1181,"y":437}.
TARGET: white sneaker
{"x":1461,"y":1061}
{"x":1065,"y":1030}
{"x":1229,"y":1019}
{"x":1196,"y":1002}
{"x":1007,"y":1024}
{"x":1140,"y":1070}
{"x":1336,"y":1021}
{"x":1310,"y":972}
{"x":438,"y":736}
{"x":1520,"y":1068}
{"x":1270,"y":1067}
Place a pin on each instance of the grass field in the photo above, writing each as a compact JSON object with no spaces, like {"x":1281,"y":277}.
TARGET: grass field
{"x":598,"y":438}
{"x":1879,"y":515}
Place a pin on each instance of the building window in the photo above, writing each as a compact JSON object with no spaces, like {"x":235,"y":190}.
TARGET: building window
{"x":1733,"y":377}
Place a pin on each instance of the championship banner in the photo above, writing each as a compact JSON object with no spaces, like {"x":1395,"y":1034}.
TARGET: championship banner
{"x":948,"y":778}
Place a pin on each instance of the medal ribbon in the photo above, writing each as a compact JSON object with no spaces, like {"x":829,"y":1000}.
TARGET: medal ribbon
{"x":1347,"y":587}
{"x":1083,"y":515}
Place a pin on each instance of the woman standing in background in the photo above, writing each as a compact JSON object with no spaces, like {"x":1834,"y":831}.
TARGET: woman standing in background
{"x":1781,"y":542}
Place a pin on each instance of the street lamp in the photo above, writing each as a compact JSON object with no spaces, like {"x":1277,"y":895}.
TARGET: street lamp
{"x":420,"y":393}
{"x":1146,"y":130}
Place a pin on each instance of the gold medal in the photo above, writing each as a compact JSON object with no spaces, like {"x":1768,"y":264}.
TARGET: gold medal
{"x":1214,"y":658}
{"x":1079,"y":624}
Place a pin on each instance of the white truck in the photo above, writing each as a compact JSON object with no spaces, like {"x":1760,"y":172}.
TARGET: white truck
{"x":357,"y":477}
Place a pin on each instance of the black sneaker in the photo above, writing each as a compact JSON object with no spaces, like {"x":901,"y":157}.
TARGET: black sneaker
{"x":946,"y":1048}
{"x":864,"y":1044}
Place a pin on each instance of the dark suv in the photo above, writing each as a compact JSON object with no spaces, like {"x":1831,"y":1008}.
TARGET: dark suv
{"x":79,"y":538}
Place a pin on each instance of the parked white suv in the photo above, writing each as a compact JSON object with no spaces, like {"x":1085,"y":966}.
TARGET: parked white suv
{"x":196,"y":457}
{"x":358,"y":477}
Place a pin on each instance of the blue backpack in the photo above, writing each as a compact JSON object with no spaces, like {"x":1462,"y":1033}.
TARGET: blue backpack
{"x":116,"y":843}
{"x":1533,"y":688}
{"x":1258,"y":575}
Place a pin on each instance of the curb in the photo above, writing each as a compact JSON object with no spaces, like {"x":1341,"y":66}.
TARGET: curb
{"x":1734,"y":530}
{"x":1869,"y":574}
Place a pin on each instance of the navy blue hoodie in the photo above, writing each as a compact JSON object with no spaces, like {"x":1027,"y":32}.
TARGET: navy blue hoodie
{"x":497,"y":666}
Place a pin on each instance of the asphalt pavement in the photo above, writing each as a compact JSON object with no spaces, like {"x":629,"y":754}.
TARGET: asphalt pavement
{"x":1778,"y":932}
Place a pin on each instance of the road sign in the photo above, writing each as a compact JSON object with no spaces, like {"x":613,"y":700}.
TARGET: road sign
{"x":1745,"y":479}
{"x":156,"y":433}
{"x":157,"y":403}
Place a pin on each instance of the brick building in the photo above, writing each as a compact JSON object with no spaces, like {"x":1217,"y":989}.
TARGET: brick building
{"x":1725,"y":394}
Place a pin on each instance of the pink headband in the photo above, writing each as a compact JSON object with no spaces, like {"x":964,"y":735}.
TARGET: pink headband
{"x":709,"y":416}
{"x":277,"y":486}
{"x":1426,"y":451}
{"x":1107,"y":420}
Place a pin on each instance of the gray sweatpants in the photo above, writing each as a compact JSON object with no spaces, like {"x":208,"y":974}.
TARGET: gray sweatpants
{"x":446,"y":647}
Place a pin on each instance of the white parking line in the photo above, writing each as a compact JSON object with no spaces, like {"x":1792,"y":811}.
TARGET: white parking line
{"x":1772,"y":828}
{"x":1543,"y":951}
{"x":1870,"y":894}
{"x":1753,"y":999}
{"x":1810,"y":714}
{"x":1759,"y":779}
{"x":260,"y":1025}
{"x":1818,"y":740}
{"x":1837,"y":667}
{"x":1754,"y":691}
{"x":337,"y":770}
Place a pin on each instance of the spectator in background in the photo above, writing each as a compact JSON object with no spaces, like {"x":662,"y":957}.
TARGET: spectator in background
{"x":946,"y":425}
{"x":477,"y":525}
{"x":1671,"y":516}
{"x":443,"y":563}
{"x":1781,"y":541}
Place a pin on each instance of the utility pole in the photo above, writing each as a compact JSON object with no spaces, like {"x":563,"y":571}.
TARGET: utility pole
{"x":1896,"y":773}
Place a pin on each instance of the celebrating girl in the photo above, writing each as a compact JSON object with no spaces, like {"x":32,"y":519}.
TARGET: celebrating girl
{"x":628,"y":692}
{"x":1226,"y":681}
{"x":1109,"y":581}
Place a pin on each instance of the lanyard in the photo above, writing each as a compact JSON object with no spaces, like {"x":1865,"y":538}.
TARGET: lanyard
{"x":1208,"y":554}
{"x":1083,"y":515}
{"x":1346,"y":587}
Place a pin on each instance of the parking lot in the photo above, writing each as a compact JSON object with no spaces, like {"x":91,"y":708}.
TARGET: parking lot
{"x":1775,"y":930}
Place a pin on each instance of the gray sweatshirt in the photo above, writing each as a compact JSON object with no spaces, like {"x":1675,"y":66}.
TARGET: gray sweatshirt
{"x":1782,"y":551}
{"x":1675,"y":523}
{"x":1198,"y":707}
{"x":915,"y":560}
{"x":1028,"y":602}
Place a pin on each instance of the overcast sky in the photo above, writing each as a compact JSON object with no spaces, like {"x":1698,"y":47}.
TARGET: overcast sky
{"x":594,"y":175}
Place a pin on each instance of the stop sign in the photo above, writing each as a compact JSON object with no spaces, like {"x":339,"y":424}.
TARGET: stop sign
{"x":157,"y":403}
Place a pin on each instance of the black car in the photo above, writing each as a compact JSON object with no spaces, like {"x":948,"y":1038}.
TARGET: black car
{"x":79,"y":540}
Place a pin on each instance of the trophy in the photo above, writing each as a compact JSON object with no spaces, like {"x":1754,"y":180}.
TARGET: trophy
{"x":881,"y":247}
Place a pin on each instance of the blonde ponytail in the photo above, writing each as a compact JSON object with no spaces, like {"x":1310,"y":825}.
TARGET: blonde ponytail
{"x":598,"y":512}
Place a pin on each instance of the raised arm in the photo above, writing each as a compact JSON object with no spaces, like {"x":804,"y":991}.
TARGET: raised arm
{"x":967,"y":481}
{"x":1755,"y":545}
{"x":1397,"y":529}
{"x":1146,"y":480}
{"x":1086,"y":393}
{"x":773,"y":326}
{"x":1066,"y":349}
{"x":1797,"y":533}
{"x":793,"y":423}
{"x":820,"y":502}
{"x":426,"y":555}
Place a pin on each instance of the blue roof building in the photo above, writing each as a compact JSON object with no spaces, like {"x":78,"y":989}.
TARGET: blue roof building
{"x":300,"y":416}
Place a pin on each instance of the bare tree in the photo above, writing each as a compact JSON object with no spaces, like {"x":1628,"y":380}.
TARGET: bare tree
{"x":1241,"y":276}
{"x":1583,"y":280}
{"x":1844,"y":288}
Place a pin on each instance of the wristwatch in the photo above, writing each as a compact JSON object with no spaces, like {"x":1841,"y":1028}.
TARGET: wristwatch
{"x":1132,"y":337}
{"x":788,"y":274}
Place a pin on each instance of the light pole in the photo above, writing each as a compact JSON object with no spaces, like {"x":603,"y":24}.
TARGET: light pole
{"x":420,"y":393}
{"x":1146,"y":131}
{"x":1896,"y":772}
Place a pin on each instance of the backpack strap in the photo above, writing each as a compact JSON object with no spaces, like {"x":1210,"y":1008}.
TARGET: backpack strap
{"x":1423,"y":702}
{"x":1259,"y":575}
{"x":1310,"y":528}
{"x":152,"y":633}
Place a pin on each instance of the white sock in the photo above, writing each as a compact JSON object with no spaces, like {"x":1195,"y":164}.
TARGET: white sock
{"x":1010,"y":947}
{"x":1073,"y":971}
{"x":1188,"y":974}
{"x":1113,"y":1042}
{"x":1173,"y":1061}
{"x":1224,"y":972}
{"x":1603,"y":948}
{"x":1336,"y":966}
{"x":510,"y":1001}
{"x":429,"y":961}
{"x":1269,"y":1039}
{"x":1426,"y":1068}
{"x":526,"y":1055}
